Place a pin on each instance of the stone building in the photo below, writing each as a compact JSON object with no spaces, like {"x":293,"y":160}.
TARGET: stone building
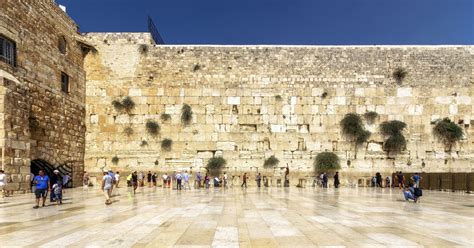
{"x":248,"y":102}
{"x":251,"y":102}
{"x":42,"y":91}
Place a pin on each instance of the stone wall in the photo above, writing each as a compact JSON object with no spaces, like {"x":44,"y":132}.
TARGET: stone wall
{"x":39,"y":121}
{"x":251,"y":102}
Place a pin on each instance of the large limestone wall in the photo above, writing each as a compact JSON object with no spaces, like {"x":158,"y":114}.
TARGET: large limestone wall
{"x":38,"y":120}
{"x":233,"y":92}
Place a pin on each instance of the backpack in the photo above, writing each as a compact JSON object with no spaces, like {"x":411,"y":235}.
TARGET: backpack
{"x":418,"y":192}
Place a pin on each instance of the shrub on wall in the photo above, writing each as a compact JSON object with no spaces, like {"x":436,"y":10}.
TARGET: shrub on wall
{"x":152,"y":127}
{"x":399,"y":75}
{"x":326,"y":161}
{"x":143,"y":49}
{"x":117,"y":105}
{"x":278,"y":98}
{"x":143,"y":143}
{"x":371,"y":116}
{"x":128,"y":131}
{"x":128,"y":104}
{"x":115,"y":160}
{"x":165,"y":117}
{"x":215,"y":165}
{"x":448,"y":132}
{"x":166,"y":145}
{"x":270,"y":162}
{"x":186,"y":114}
{"x":395,"y":142}
{"x":353,"y":129}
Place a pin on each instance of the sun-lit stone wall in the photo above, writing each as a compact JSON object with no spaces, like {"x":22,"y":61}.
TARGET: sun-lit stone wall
{"x":38,"y":120}
{"x":251,"y":102}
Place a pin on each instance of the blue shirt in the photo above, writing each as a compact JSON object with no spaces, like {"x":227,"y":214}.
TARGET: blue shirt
{"x":41,"y":182}
{"x":416,"y":178}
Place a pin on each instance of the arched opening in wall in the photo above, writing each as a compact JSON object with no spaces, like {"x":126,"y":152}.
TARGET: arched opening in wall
{"x":62,"y":44}
{"x":40,"y":164}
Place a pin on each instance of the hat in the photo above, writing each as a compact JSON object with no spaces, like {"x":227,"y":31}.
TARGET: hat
{"x":56,"y":171}
{"x":105,"y":170}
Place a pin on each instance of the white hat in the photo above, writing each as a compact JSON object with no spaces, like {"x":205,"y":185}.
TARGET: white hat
{"x":56,"y":171}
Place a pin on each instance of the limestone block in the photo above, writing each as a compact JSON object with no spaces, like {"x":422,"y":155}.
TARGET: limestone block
{"x":293,"y":100}
{"x":374,"y":147}
{"x":225,"y":145}
{"x":359,"y":92}
{"x":404,"y":92}
{"x":415,"y":109}
{"x":330,"y":109}
{"x":444,"y":99}
{"x":453,"y":109}
{"x":463,"y":100}
{"x":135,"y":92}
{"x":277,"y":128}
{"x":233,"y":100}
{"x":317,"y":92}
{"x":339,"y":100}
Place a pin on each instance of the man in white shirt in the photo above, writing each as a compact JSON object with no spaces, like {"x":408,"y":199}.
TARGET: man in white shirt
{"x":117,"y":179}
{"x":107,"y":183}
{"x":3,"y":184}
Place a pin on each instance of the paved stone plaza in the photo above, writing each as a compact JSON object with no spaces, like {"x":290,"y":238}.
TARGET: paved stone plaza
{"x":275,"y":217}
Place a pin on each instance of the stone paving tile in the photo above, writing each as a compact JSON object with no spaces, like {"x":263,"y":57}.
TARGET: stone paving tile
{"x":275,"y":217}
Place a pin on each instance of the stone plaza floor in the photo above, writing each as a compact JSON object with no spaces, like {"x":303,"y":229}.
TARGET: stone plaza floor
{"x":272,"y":217}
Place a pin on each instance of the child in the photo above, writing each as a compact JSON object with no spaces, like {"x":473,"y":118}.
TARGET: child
{"x":409,"y":193}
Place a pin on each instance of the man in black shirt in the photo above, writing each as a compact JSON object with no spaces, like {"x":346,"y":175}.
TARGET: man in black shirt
{"x":148,"y":177}
{"x":134,"y":181}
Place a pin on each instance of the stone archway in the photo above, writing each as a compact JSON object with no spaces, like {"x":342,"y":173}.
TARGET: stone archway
{"x":40,"y":164}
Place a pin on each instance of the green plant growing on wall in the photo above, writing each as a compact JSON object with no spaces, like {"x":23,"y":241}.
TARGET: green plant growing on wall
{"x":326,"y":161}
{"x":186,"y":114}
{"x":143,"y":49}
{"x":448,"y":133}
{"x":128,"y":104}
{"x":353,"y":129}
{"x":143,"y":143}
{"x":128,"y":131}
{"x":196,"y":67}
{"x":117,"y":105}
{"x":166,"y":145}
{"x":215,"y":165}
{"x":394,"y":142}
{"x":152,"y":127}
{"x":165,"y":117}
{"x":278,"y":98}
{"x":115,"y":160}
{"x":399,"y":75}
{"x":371,"y":116}
{"x":270,"y":162}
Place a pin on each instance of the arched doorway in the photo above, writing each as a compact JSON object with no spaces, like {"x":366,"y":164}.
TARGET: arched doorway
{"x":40,"y":164}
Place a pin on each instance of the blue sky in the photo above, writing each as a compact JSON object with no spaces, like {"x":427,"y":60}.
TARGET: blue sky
{"x":298,"y":22}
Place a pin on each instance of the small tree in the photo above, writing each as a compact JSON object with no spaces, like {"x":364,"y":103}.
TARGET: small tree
{"x":152,"y":127}
{"x":215,"y":165}
{"x":166,"y":145}
{"x":326,"y":161}
{"x":371,"y":116}
{"x":270,"y":162}
{"x":353,"y":129}
{"x":186,"y":114}
{"x":128,"y":104}
{"x":395,"y":142}
{"x":128,"y":131}
{"x":165,"y":117}
{"x":399,"y":75}
{"x":115,"y":160}
{"x":448,"y":133}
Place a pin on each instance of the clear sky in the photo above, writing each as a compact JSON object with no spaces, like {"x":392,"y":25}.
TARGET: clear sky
{"x":324,"y":22}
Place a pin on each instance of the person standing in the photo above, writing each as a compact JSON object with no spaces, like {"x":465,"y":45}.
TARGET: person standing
{"x":206,"y":181}
{"x":387,"y":182}
{"x":56,"y":183}
{"x":186,"y":180}
{"x":85,"y":179}
{"x":66,"y":179}
{"x":198,"y":180}
{"x":148,"y":178}
{"x":258,"y":178}
{"x":416,"y":178}
{"x":3,"y":184}
{"x":117,"y":179}
{"x":165,"y":179}
{"x":244,"y":180}
{"x":134,"y":181}
{"x":336,"y":180}
{"x":325,"y":180}
{"x":140,"y":179}
{"x":225,"y":180}
{"x":401,"y":180}
{"x":287,"y":176}
{"x":178,"y":178}
{"x":42,"y":185}
{"x":107,"y":183}
{"x":153,"y":179}
{"x":378,"y":179}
